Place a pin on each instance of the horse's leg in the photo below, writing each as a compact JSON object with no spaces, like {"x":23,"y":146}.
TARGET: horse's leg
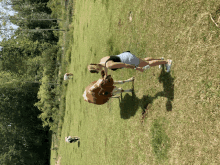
{"x":120,"y":90}
{"x":115,"y":96}
{"x":123,"y":81}
{"x":128,"y":90}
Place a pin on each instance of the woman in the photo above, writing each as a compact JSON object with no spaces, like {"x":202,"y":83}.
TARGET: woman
{"x":127,"y":60}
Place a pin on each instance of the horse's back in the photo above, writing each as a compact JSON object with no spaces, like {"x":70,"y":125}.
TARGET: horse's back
{"x":94,"y":96}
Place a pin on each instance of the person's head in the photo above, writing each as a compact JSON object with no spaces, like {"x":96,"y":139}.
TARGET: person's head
{"x":94,"y":68}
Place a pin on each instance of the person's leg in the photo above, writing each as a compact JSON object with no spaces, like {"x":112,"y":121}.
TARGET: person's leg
{"x":151,"y":63}
{"x":167,"y":63}
{"x":168,"y":66}
{"x":142,"y":63}
{"x":160,"y":66}
{"x":157,"y":62}
{"x":71,"y":140}
{"x":151,"y":58}
{"x":76,"y":137}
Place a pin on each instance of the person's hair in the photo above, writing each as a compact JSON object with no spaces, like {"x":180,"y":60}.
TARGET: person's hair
{"x":93,"y":68}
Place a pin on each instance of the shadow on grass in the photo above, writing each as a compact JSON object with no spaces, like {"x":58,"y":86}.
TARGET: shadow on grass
{"x":168,"y":88}
{"x":160,"y":140}
{"x":168,"y":92}
{"x":79,"y":143}
{"x":112,"y":48}
{"x":106,"y":3}
{"x":130,"y":104}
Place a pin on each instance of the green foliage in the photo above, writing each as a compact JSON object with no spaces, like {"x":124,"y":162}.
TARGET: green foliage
{"x":17,"y":112}
{"x":47,"y":95}
{"x":22,"y":55}
{"x":56,"y":8}
{"x":27,"y":60}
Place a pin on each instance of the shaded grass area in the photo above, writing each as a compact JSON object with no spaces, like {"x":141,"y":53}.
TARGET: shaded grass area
{"x":160,"y":140}
{"x":170,"y":118}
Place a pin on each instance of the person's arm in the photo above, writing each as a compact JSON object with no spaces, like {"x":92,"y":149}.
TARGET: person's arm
{"x":105,"y":69}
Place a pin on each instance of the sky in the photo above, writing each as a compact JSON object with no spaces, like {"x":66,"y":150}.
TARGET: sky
{"x":6,"y":10}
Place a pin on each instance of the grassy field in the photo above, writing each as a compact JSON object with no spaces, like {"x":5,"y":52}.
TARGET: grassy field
{"x":171,"y":118}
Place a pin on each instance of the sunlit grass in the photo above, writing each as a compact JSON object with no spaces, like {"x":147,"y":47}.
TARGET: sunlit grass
{"x":181,"y":123}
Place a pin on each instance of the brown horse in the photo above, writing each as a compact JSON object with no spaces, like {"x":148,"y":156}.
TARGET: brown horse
{"x":99,"y":92}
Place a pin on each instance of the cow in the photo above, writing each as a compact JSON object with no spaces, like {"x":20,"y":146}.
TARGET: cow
{"x":99,"y":92}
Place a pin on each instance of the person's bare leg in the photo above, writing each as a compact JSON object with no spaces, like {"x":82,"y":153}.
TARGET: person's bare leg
{"x":157,"y":62}
{"x":151,"y":63}
{"x":151,"y":58}
{"x":142,"y":63}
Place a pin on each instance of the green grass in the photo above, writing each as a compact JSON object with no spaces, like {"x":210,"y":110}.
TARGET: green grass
{"x":160,"y":140}
{"x":181,"y":125}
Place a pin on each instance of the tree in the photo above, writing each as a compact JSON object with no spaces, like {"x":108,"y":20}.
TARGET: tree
{"x":23,"y":142}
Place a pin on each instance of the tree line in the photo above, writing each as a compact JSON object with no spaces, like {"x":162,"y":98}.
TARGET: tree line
{"x":28,"y":77}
